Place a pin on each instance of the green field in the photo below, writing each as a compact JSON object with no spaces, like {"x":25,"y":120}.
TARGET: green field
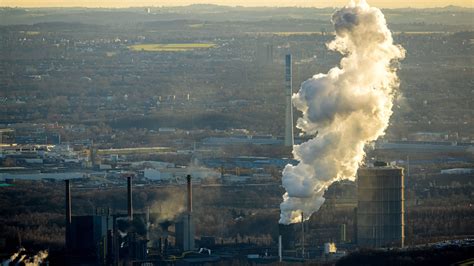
{"x":31,"y":33}
{"x":170,"y":47}
{"x":196,"y":25}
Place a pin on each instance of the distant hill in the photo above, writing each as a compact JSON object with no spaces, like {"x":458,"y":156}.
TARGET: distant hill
{"x":450,"y":15}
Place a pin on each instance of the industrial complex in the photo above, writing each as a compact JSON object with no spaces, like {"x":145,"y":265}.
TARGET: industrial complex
{"x":124,"y":239}
{"x":131,"y":238}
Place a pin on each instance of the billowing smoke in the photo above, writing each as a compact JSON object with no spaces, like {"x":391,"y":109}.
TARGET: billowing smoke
{"x":13,"y":257}
{"x":37,"y":259}
{"x":345,"y":109}
{"x":22,"y":258}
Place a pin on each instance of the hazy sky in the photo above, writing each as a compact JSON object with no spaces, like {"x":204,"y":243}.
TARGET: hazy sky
{"x":303,"y":3}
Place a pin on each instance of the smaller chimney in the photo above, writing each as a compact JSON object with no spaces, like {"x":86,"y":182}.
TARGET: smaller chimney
{"x":302,"y":234}
{"x":190,"y":195}
{"x":129,"y":198}
{"x":68,"y":214}
{"x":354,"y":235}
{"x":279,"y":248}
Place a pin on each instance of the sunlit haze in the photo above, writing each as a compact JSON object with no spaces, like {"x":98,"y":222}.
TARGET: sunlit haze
{"x":300,"y":3}
{"x":229,"y":132}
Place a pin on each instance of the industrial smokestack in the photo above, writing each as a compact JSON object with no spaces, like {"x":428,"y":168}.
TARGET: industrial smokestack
{"x":184,"y":229}
{"x":190,"y":194}
{"x":129,"y":198}
{"x":289,"y":103}
{"x":68,"y":214}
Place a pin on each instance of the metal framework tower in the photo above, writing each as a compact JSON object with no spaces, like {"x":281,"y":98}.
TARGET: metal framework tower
{"x":289,"y":103}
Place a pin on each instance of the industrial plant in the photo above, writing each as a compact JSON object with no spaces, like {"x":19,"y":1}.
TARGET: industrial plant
{"x":133,"y":238}
{"x":125,"y":238}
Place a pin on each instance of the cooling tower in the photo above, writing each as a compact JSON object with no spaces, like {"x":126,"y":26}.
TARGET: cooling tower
{"x":380,"y":206}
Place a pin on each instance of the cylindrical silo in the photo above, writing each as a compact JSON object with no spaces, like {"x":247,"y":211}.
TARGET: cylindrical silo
{"x":380,"y":206}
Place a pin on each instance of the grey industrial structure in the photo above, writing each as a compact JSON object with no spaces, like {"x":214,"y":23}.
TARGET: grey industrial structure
{"x":185,"y":227}
{"x":116,"y":239}
{"x":380,"y":206}
{"x":95,"y":239}
{"x":289,"y":103}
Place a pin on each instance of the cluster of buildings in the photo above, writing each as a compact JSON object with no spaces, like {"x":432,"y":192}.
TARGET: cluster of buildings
{"x":107,"y":238}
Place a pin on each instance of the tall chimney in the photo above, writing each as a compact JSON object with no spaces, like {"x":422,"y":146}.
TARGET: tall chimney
{"x":188,"y":220}
{"x":68,"y":214}
{"x":289,"y":103}
{"x":129,"y":198}
{"x":190,"y":195}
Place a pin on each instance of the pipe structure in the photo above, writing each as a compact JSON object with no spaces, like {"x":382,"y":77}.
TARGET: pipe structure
{"x":148,"y":223}
{"x":190,"y":194}
{"x":68,"y":213}
{"x":279,"y":248}
{"x":189,"y":223}
{"x":354,"y":235}
{"x":129,"y":198}
{"x":116,"y":242}
{"x":302,"y":234}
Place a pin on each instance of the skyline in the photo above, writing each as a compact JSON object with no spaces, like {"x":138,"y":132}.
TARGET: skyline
{"x":246,"y":3}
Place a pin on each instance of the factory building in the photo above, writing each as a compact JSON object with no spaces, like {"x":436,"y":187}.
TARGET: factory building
{"x":380,"y":206}
{"x":7,"y":136}
{"x":288,"y":235}
{"x":124,"y":238}
{"x":105,"y":239}
{"x":89,"y":236}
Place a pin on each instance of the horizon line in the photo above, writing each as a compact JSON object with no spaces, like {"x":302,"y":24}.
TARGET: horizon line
{"x":223,"y":5}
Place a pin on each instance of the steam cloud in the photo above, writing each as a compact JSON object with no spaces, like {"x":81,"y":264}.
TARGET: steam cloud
{"x":38,"y":259}
{"x":346,"y":108}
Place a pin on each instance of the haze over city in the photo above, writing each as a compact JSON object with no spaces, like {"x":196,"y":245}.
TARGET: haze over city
{"x":247,"y":3}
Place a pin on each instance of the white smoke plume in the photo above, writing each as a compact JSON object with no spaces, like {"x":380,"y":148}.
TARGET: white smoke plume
{"x":12,"y":257}
{"x":38,"y":259}
{"x":346,"y":108}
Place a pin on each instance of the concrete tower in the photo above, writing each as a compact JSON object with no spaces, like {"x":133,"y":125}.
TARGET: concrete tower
{"x":380,"y":206}
{"x":185,"y":227}
{"x":289,"y":103}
